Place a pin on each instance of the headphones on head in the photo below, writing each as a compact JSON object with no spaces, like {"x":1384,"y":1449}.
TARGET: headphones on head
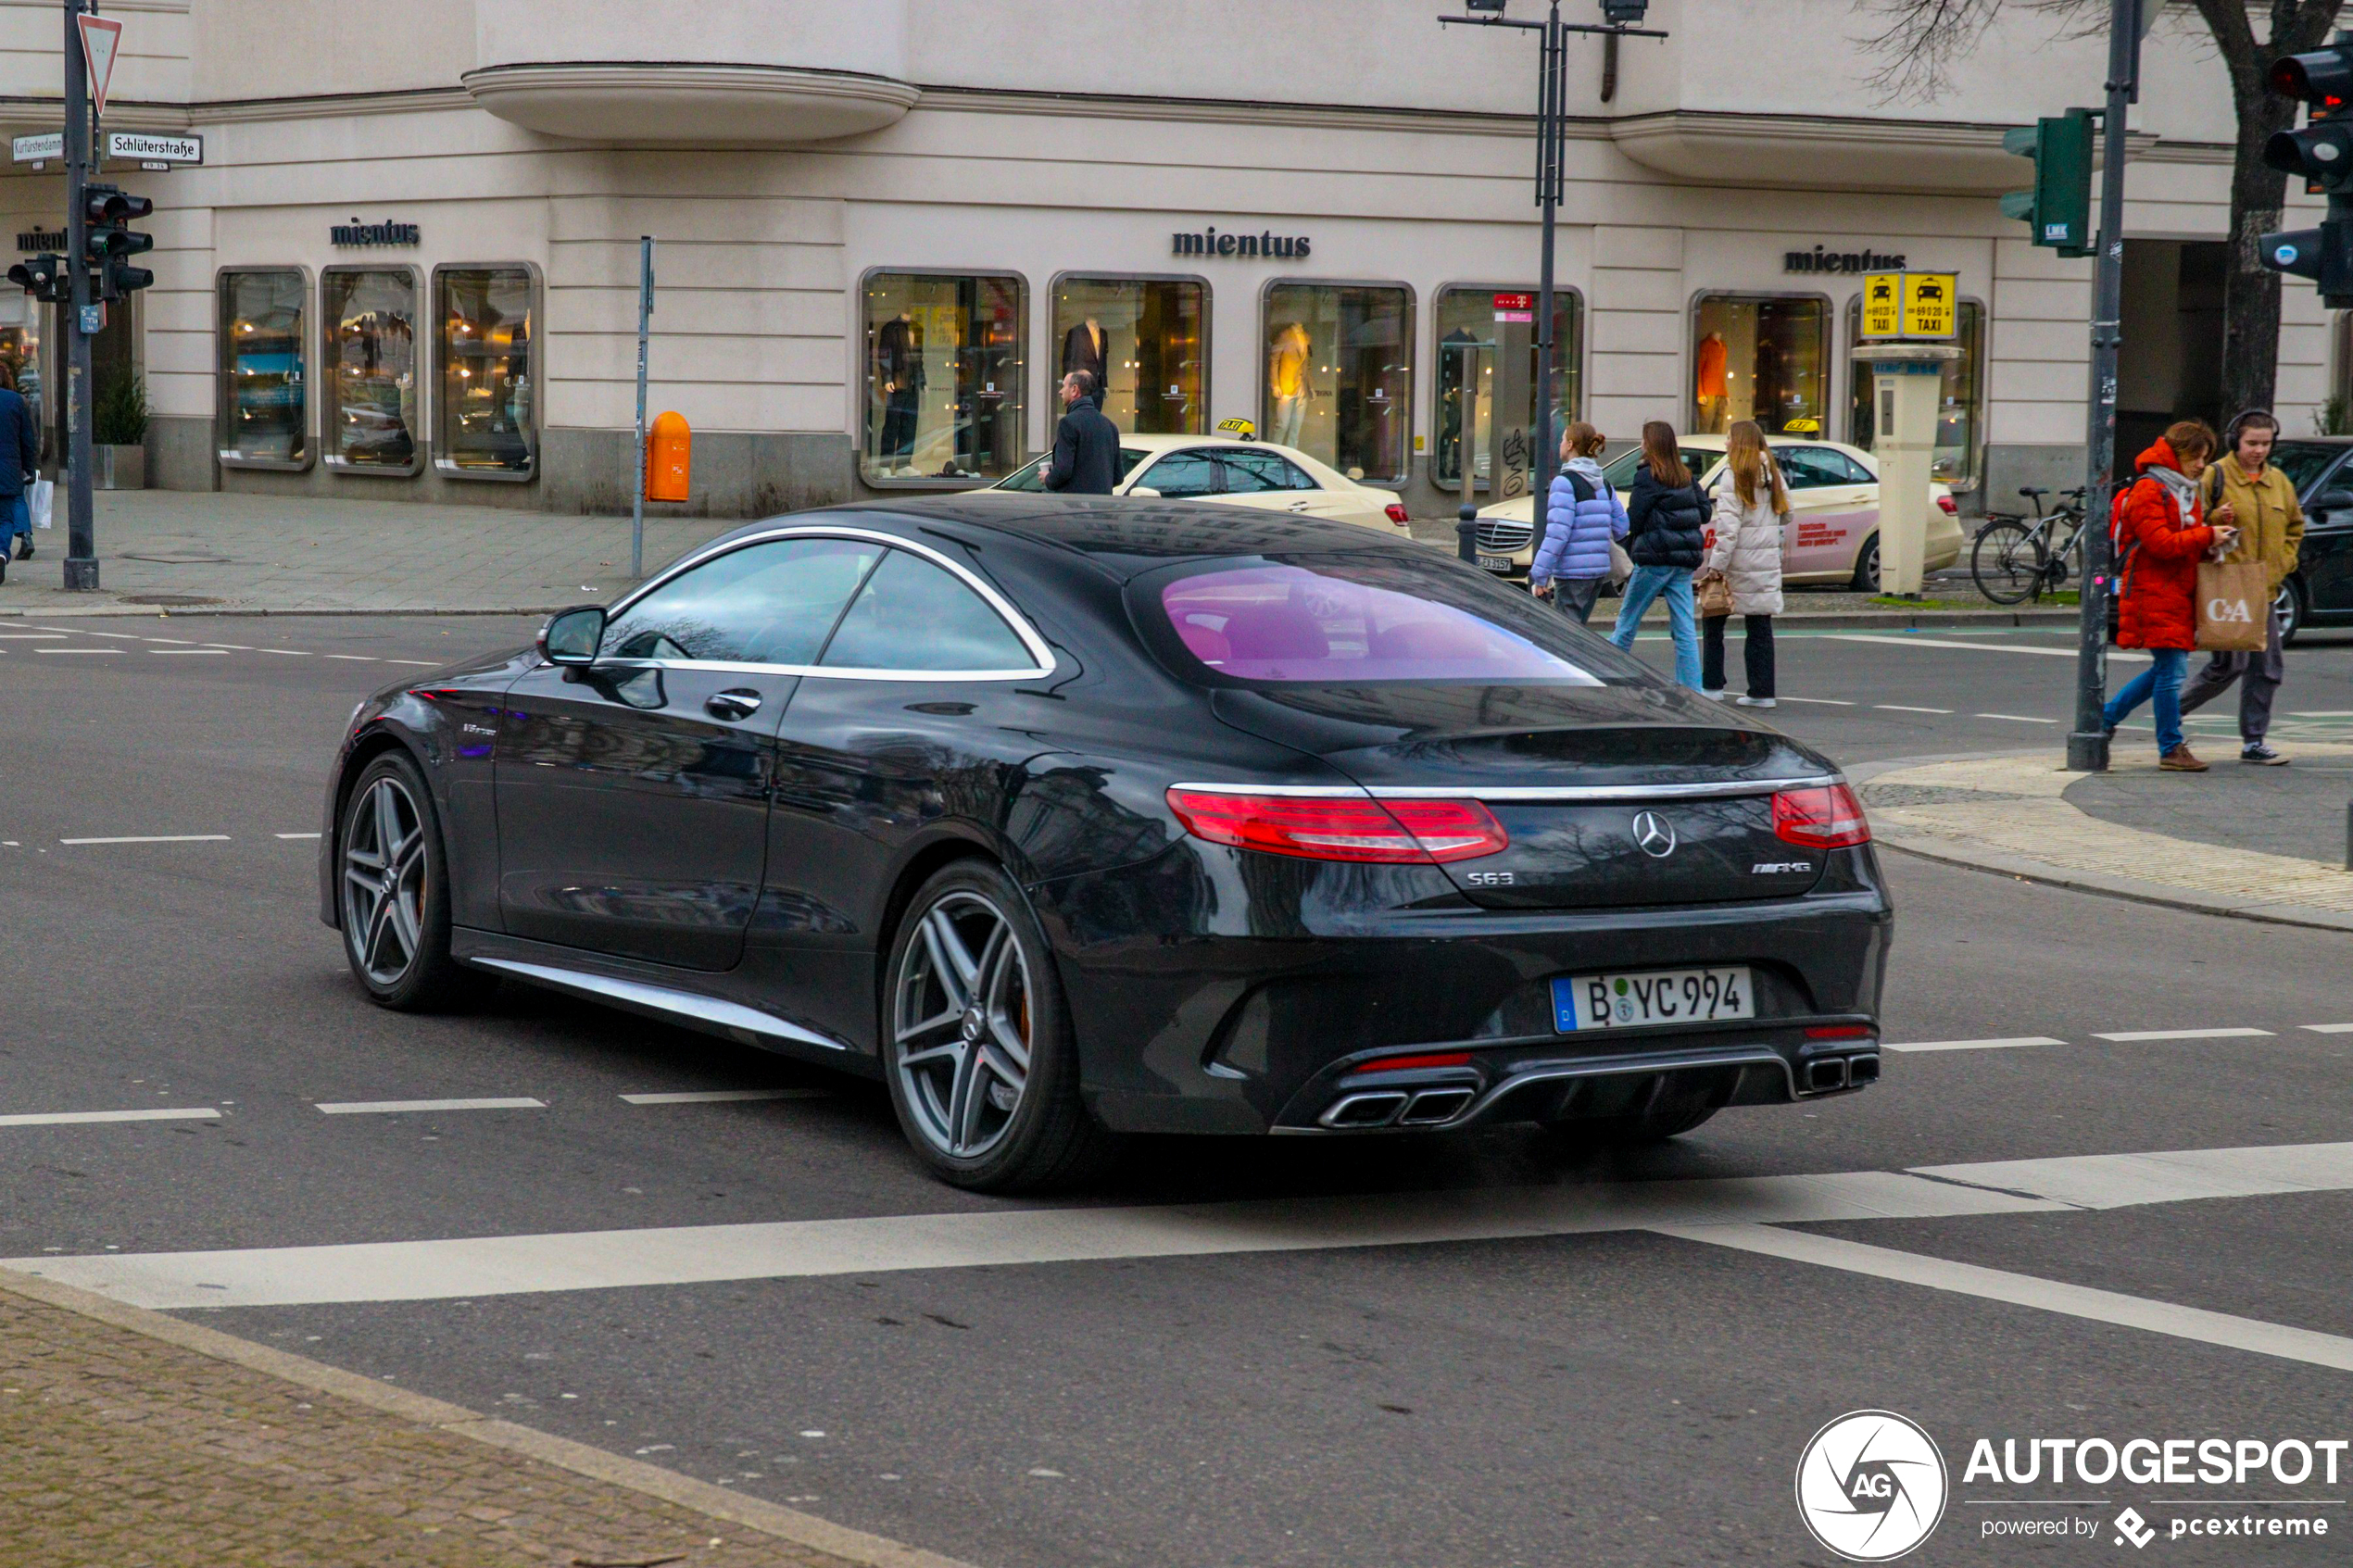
{"x":2244,"y":418}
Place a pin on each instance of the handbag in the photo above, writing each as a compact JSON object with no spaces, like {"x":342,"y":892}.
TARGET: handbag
{"x":2233,"y":607}
{"x":1715,"y":597}
{"x":39,"y":498}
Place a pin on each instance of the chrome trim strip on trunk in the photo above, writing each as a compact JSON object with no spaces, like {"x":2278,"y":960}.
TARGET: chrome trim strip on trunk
{"x":661,"y":998}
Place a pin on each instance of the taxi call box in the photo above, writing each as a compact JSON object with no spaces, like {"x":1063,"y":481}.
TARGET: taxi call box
{"x":1910,"y":305}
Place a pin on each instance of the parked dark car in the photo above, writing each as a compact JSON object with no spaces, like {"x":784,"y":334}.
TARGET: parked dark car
{"x":2319,"y":591}
{"x":1074,"y":816}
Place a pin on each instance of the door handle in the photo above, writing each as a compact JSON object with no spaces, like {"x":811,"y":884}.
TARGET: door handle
{"x":1299,"y":506}
{"x":737,"y":704}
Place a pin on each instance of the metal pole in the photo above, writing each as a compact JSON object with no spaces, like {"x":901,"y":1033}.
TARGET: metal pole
{"x":1551,"y":115}
{"x":644,"y":322}
{"x":82,"y":544}
{"x":2087,"y":747}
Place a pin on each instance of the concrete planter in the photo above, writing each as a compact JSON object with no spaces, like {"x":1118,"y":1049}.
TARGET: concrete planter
{"x":118,"y":468}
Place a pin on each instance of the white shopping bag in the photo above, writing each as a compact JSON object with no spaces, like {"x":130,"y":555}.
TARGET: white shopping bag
{"x":38,"y":495}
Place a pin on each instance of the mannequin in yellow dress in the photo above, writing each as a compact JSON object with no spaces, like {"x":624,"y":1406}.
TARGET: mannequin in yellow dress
{"x":1286,"y":385}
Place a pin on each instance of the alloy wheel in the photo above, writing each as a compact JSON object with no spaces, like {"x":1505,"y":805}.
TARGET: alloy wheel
{"x":961,"y":1024}
{"x":383,"y":882}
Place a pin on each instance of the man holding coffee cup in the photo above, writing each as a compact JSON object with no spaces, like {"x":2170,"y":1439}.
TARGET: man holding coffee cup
{"x":2245,"y":490}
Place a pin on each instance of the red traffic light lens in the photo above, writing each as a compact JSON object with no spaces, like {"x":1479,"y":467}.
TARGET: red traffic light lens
{"x":2287,"y":77}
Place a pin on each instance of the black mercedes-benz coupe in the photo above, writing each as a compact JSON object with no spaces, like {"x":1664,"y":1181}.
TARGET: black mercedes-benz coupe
{"x":1070,"y":817}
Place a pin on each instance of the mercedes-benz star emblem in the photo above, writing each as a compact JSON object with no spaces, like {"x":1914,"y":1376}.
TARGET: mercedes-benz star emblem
{"x":1653,"y":834}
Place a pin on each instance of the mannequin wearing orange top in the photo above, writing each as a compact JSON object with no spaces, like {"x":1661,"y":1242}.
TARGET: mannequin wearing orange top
{"x":1707,"y":384}
{"x":1287,"y":383}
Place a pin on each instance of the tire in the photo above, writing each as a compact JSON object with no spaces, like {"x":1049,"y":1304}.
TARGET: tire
{"x":1866,"y":567}
{"x":979,"y":1051}
{"x":2292,"y":607}
{"x":395,"y":907}
{"x":2007,"y":561}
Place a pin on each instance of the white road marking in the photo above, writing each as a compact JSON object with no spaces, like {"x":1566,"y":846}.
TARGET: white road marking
{"x":234,"y":647}
{"x":1982,"y":646}
{"x":77,"y":650}
{"x":64,"y":1118}
{"x":391,"y":1107}
{"x":2025,"y":1290}
{"x":1821,"y":701}
{"x":2187,"y":1034}
{"x":222,"y":652}
{"x":117,"y":636}
{"x":2015,"y":718}
{"x":290,"y":653}
{"x":294,"y":835}
{"x":2325,"y":714}
{"x":357,"y":658}
{"x":475,"y":1266}
{"x":1899,"y":708}
{"x":1970,"y":1045}
{"x":155,"y":838}
{"x":419,"y":663}
{"x":27,"y":636}
{"x":2330,"y":1028}
{"x":714,"y":1096}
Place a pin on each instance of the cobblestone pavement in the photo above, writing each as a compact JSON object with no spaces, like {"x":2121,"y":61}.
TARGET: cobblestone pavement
{"x":125,"y":1451}
{"x":2021,"y":814}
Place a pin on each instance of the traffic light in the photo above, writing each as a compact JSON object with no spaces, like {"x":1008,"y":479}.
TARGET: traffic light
{"x":2057,"y":211}
{"x":109,"y":241}
{"x":1624,"y":12}
{"x":42,"y":276}
{"x":2323,"y":153}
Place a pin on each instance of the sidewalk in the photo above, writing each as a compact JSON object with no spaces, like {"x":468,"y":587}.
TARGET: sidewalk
{"x":2258,"y":843}
{"x":145,"y":1441}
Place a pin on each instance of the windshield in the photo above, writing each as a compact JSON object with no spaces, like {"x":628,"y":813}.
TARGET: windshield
{"x":2304,"y":463}
{"x":1027,"y":476}
{"x":1350,"y":620}
{"x":1619,"y":471}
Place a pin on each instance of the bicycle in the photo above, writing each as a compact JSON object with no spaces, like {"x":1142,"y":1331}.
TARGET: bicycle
{"x":2015,"y":558}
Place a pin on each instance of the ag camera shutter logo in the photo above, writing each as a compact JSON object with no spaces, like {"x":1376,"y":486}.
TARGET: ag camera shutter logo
{"x":1871,"y":1485}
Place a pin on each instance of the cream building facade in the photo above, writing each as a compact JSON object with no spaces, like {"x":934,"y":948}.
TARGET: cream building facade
{"x":407,"y":265}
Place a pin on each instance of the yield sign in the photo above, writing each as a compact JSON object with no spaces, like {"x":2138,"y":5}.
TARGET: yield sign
{"x":101,"y":38}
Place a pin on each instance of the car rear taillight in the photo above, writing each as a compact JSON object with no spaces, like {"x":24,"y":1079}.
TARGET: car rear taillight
{"x":1342,"y":827}
{"x":1949,"y":506}
{"x":1404,"y":1063}
{"x":1395,"y":511}
{"x":1826,"y":817}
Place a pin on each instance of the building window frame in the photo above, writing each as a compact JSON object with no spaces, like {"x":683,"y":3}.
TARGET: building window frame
{"x":866,"y":388}
{"x":1410,"y":327}
{"x":1437,"y":360}
{"x":223,"y":401}
{"x":1973,"y":475}
{"x":420,"y":437}
{"x":1689,"y":397}
{"x":1092,"y":275}
{"x":443,"y":463}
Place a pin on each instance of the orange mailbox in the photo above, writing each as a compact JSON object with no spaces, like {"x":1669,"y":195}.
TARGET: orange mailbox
{"x":670,"y":448}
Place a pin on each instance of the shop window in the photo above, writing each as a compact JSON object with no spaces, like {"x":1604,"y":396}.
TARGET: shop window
{"x":264,"y":415}
{"x":1147,"y":341}
{"x":1339,"y":375}
{"x":1960,"y":409}
{"x":1467,"y":342}
{"x":487,"y":412}
{"x":1760,"y":357}
{"x":944,"y":376}
{"x":370,"y":422}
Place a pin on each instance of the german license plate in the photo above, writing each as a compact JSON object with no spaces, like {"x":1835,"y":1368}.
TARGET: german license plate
{"x":1652,"y":996}
{"x":1496,"y":563}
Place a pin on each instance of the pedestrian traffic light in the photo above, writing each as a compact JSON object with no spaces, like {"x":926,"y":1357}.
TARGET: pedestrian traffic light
{"x":42,"y":276}
{"x":2324,"y":255}
{"x":109,"y":242}
{"x":2322,"y":151}
{"x":2057,"y":211}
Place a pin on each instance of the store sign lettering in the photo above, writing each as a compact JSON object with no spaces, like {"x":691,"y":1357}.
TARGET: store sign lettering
{"x":1822,"y":259}
{"x":32,"y":240}
{"x":358,"y":233}
{"x":1288,"y":247}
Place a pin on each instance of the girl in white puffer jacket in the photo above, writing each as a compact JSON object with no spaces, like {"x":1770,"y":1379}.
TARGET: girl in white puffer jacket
{"x":1751,"y":507}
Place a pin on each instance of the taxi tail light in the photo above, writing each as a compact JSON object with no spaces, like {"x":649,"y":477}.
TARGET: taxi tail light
{"x":1342,"y":827}
{"x":1824,"y":817}
{"x":1395,"y":511}
{"x":1949,"y":506}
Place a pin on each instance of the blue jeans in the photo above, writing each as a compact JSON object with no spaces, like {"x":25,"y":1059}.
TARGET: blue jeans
{"x":19,"y":521}
{"x":2163,"y":678}
{"x":1674,"y":583}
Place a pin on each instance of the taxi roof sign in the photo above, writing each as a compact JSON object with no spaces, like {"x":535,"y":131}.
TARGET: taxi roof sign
{"x":1910,"y":305}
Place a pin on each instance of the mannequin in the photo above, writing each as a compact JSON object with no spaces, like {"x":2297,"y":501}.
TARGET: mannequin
{"x":1286,"y":385}
{"x":1087,"y":346}
{"x":899,"y":371}
{"x":1707,"y":384}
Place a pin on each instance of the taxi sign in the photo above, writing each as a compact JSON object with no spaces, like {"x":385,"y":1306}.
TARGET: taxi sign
{"x":1239,"y":429}
{"x":1882,"y":303}
{"x":1910,"y":305}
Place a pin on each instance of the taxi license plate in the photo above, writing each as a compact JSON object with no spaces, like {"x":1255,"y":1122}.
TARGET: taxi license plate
{"x":1496,"y":563}
{"x":1583,"y":1002}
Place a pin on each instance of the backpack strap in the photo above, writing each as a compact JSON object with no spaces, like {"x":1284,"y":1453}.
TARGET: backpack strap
{"x":1578,"y":486}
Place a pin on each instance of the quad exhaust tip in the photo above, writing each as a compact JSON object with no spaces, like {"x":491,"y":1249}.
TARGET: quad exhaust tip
{"x":1840,"y":1073}
{"x":1385,"y":1108}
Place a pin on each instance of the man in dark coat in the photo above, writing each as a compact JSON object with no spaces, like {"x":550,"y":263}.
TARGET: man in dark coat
{"x":20,"y":460}
{"x":1085,"y":444}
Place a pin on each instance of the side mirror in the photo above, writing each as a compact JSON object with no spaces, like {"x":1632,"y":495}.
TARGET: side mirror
{"x":1145,"y":490}
{"x":571,"y":636}
{"x":2332,"y":501}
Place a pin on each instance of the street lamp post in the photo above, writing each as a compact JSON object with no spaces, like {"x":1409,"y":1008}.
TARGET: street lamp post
{"x":1552,"y":129}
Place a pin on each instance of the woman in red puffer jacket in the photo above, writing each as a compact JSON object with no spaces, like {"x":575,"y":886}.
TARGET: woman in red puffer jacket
{"x":2161,"y":534}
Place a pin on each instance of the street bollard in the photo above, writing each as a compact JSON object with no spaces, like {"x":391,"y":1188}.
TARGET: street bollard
{"x":1467,"y":532}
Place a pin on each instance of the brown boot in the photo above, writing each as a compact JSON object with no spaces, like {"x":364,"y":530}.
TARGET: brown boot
{"x":2179,"y":761}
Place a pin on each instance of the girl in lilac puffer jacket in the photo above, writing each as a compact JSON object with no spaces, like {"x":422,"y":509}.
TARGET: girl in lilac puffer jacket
{"x":1582,"y":516}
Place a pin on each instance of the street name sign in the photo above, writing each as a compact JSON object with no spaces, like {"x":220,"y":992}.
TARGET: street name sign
{"x":148,"y":147}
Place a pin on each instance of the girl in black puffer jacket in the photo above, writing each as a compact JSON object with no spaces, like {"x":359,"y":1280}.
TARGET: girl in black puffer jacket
{"x":1666,"y":537}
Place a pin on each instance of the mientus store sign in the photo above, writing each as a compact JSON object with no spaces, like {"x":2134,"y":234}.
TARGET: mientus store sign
{"x":1209,"y":242}
{"x":1821,"y":259}
{"x":358,"y":233}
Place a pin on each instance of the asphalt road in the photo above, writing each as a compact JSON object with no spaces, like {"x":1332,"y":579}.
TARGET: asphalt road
{"x":1528,"y":1393}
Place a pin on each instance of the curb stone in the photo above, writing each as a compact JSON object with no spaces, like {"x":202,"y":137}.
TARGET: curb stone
{"x":580,"y":1459}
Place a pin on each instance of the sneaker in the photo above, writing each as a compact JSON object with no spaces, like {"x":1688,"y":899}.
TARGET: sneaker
{"x":2261,"y":753}
{"x":2179,"y":761}
{"x":1755,"y":702}
{"x":1715,"y":695}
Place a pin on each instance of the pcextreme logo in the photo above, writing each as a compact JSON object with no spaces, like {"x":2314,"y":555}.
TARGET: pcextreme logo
{"x":1871,"y":1485}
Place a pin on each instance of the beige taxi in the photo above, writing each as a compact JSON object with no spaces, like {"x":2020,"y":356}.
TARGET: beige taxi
{"x":1832,"y":533}
{"x":1239,"y":472}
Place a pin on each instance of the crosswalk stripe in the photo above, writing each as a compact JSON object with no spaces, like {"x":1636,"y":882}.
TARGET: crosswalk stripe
{"x":2129,"y":1035}
{"x":393,"y":1106}
{"x":721,"y":1096}
{"x":72,"y":1118}
{"x":1970,"y":1045}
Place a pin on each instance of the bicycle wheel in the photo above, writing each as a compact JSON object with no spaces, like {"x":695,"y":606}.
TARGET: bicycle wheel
{"x":2007,"y":561}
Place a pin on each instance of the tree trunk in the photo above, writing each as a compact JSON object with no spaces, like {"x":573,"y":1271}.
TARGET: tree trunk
{"x":2250,"y":289}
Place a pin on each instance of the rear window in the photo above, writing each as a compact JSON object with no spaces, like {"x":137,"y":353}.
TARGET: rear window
{"x":1349,"y":619}
{"x":1030,"y":476}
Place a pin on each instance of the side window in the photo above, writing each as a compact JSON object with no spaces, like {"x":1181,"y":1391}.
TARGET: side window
{"x":1247,"y":471}
{"x":1855,"y":472}
{"x":770,"y":603}
{"x":912,"y":615}
{"x":1182,"y":474}
{"x":1811,"y":467}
